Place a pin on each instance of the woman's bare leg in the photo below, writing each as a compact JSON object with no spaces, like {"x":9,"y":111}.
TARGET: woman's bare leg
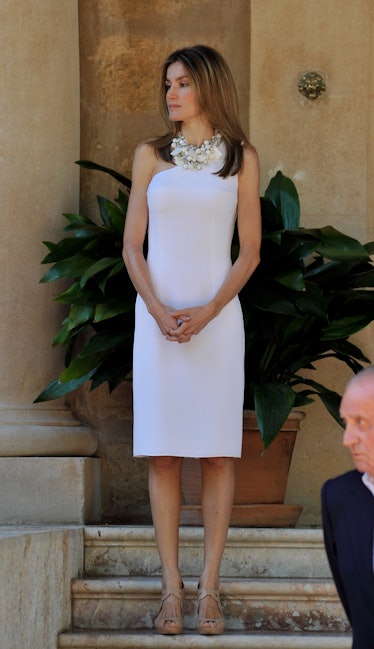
{"x":165,"y":498}
{"x":218,"y":483}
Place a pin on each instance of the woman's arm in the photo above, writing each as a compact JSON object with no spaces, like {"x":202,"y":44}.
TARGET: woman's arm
{"x":249,"y":230}
{"x":144,"y":166}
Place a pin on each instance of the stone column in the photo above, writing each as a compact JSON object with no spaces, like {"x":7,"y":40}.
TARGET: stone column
{"x":47,"y":475}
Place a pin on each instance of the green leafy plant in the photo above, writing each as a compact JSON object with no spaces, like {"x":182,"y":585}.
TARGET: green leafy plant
{"x":100,"y":296}
{"x":312,"y":290}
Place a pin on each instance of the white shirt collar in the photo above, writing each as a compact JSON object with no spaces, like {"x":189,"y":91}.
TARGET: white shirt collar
{"x":368,"y":482}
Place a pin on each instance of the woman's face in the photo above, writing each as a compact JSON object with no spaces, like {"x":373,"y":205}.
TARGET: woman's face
{"x":181,"y":98}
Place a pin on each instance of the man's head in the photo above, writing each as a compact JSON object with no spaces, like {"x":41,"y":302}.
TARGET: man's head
{"x":357,"y":412}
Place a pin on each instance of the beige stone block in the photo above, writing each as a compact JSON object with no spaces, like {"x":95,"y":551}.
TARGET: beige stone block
{"x":253,"y":553}
{"x":124,"y":493}
{"x":252,"y":604}
{"x":36,"y":568}
{"x":232,"y":640}
{"x":49,"y":490}
{"x":43,"y":429}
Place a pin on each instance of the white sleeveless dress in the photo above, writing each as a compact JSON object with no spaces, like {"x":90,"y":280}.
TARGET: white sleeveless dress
{"x":188,"y":397}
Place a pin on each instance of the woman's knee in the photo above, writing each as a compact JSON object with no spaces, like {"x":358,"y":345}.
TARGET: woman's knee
{"x":165,"y":463}
{"x":217,"y":463}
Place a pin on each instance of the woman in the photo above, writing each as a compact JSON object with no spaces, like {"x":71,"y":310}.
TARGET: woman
{"x":189,"y":187}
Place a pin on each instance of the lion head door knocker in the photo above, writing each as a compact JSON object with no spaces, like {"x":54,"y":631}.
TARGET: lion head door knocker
{"x":312,"y":85}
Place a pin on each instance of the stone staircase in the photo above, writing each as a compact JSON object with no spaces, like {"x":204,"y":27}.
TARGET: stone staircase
{"x":276,"y":592}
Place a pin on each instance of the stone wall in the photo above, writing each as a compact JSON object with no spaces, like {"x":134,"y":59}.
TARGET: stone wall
{"x":122,"y":47}
{"x":326,"y":147}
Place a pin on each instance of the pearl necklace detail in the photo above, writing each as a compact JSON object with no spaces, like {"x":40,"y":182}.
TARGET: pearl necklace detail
{"x":191,"y":156}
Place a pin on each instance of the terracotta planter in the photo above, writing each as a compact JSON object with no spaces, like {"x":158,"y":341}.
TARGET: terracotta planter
{"x":261,"y":479}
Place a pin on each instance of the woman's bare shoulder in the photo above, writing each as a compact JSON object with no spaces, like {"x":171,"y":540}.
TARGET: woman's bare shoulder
{"x":145,"y":149}
{"x":145,"y":160}
{"x":249,"y":152}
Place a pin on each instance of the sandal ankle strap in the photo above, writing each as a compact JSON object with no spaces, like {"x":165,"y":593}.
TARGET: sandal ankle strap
{"x":176,"y":592}
{"x":202,"y":593}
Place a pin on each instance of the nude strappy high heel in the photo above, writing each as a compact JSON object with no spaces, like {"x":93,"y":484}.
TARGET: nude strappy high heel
{"x":175,"y":626}
{"x":217,"y":625}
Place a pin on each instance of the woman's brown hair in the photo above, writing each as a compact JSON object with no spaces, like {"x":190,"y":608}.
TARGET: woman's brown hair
{"x":216,"y":93}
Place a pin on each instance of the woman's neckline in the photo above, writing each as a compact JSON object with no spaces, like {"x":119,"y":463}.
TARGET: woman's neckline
{"x":192,"y":156}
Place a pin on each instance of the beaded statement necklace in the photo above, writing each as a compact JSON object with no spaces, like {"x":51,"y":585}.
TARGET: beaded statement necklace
{"x":191,"y":156}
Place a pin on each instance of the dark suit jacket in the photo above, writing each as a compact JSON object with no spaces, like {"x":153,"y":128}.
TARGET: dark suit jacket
{"x":348,"y":525}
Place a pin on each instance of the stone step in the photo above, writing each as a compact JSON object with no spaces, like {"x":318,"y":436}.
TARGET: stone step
{"x":229,"y":640}
{"x":289,"y":605}
{"x":250,"y":552}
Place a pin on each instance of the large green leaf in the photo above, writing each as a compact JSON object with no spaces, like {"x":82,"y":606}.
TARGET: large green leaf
{"x":84,"y":232}
{"x":79,"y":219}
{"x":355,"y":304}
{"x":292,"y":278}
{"x":271,"y":217}
{"x":117,"y":268}
{"x":63,"y":335}
{"x":283,"y":194}
{"x":117,"y":217}
{"x":80,"y":314}
{"x":116,"y":367}
{"x":57,"y":389}
{"x":68,"y":268}
{"x":98,"y":266}
{"x":112,"y":308}
{"x":87,"y":164}
{"x":329,"y":398}
{"x":311,"y":301}
{"x":76,"y":295}
{"x":346,"y":349}
{"x":62,"y":250}
{"x":112,"y":215}
{"x":336,"y":245}
{"x":273,"y":404}
{"x":360,"y":279}
{"x":104,"y":205}
{"x":295,"y":246}
{"x":92,"y":355}
{"x":345,"y":327}
{"x":269,"y":297}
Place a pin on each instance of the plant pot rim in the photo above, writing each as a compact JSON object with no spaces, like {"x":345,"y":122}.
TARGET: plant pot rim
{"x":292,"y":423}
{"x":294,"y":414}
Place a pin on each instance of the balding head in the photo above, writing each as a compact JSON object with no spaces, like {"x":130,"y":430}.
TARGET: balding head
{"x":364,"y":376}
{"x":357,"y":411}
